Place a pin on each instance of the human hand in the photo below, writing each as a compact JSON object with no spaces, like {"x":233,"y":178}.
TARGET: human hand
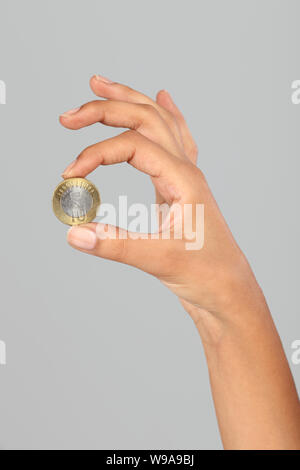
{"x":255,"y":398}
{"x":211,"y":281}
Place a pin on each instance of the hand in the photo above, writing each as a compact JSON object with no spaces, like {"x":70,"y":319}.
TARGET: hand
{"x":255,"y":398}
{"x":213,"y":279}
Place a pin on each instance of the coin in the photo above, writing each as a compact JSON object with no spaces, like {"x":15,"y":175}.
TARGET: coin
{"x":75,"y":201}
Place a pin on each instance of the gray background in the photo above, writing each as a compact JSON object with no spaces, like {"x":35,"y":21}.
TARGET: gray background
{"x":99,"y":355}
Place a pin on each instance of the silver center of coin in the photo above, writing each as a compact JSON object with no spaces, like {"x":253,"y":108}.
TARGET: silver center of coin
{"x":76,"y":202}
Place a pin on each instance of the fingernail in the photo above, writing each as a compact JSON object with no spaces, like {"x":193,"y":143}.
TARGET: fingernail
{"x":82,"y":238}
{"x":69,"y":168}
{"x":103,"y":79}
{"x":69,"y":113}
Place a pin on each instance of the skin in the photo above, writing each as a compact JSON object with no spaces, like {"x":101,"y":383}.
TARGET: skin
{"x":255,"y":398}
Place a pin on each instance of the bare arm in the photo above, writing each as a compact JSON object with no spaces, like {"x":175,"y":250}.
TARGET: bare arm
{"x":253,"y":390}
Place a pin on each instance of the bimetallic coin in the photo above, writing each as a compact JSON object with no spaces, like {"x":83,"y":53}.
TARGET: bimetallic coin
{"x":75,"y":201}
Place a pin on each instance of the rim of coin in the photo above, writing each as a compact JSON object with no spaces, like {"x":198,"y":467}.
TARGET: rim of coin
{"x":60,"y":190}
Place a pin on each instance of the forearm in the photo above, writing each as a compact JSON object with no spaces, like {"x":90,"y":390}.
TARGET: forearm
{"x":255,"y":397}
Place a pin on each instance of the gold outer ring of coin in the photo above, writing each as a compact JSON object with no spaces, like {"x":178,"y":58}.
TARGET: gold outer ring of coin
{"x":60,"y":190}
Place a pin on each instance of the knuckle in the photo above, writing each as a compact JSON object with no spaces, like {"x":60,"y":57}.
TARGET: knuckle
{"x":128,"y":91}
{"x":97,"y":109}
{"x":132,"y":136}
{"x":91,"y":105}
{"x":94,"y":103}
{"x":86,"y":153}
{"x":150,"y":110}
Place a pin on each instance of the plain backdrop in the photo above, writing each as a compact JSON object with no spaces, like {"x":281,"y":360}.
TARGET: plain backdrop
{"x":100,"y":355}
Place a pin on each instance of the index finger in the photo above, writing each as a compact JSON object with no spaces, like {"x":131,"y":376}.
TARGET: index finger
{"x":171,"y":175}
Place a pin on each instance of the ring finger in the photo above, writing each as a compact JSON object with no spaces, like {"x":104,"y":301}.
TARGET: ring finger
{"x":143,"y":118}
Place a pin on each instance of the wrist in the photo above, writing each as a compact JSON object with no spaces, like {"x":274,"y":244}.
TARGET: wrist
{"x":241,"y":308}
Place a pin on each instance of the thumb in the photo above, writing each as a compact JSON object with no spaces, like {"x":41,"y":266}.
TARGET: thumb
{"x":114,"y":243}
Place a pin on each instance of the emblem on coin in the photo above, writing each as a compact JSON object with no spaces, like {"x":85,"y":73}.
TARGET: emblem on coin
{"x":75,"y":201}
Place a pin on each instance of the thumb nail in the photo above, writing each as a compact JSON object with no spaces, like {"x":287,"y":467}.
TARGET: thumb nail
{"x":82,"y":238}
